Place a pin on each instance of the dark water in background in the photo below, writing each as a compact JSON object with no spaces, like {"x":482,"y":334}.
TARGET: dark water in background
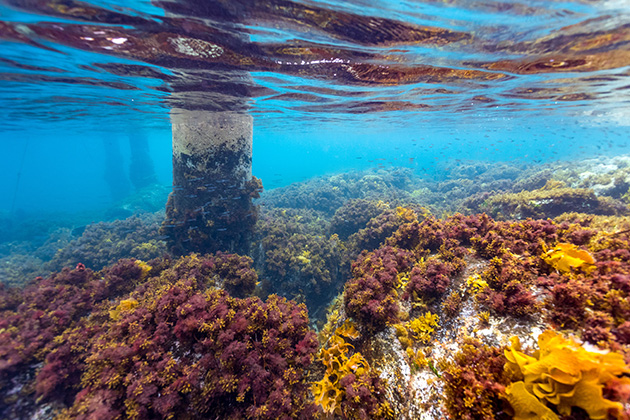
{"x":334,"y":86}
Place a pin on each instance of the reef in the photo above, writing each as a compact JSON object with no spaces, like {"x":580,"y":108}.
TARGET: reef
{"x":608,"y":177}
{"x":297,"y":258}
{"x":552,"y":200}
{"x":328,"y":194}
{"x":154,"y":340}
{"x":103,"y":243}
{"x":39,"y":246}
{"x":458,"y":184}
{"x":452,"y":291}
{"x":454,"y":316}
{"x":503,"y":190}
{"x":512,"y":190}
{"x":27,"y":244}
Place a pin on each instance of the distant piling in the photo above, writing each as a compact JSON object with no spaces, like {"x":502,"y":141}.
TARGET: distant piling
{"x":210,"y":208}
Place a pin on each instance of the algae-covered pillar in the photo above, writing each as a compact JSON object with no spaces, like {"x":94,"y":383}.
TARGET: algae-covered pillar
{"x":210,"y":208}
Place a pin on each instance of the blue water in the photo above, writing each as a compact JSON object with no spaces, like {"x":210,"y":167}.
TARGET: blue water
{"x":67,"y":104}
{"x":50,"y":171}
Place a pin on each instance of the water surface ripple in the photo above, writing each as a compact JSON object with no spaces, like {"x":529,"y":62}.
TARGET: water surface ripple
{"x":312,"y":59}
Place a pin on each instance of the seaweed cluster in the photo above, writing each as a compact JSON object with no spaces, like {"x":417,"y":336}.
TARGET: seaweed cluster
{"x":354,"y":215}
{"x":474,"y":381}
{"x":297,"y":258}
{"x":192,"y":353}
{"x":104,"y":243}
{"x":536,"y":272}
{"x":35,"y":319}
{"x":370,"y":297}
{"x":377,"y":229}
{"x":155,"y":340}
{"x":350,"y":388}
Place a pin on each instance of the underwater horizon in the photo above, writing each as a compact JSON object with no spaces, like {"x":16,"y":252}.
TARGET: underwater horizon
{"x":250,"y":209}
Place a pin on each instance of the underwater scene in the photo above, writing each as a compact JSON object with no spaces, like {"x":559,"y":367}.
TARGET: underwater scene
{"x":315,"y":209}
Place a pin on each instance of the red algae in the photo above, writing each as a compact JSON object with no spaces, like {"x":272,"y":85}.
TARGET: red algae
{"x":585,"y":294}
{"x":166,"y":337}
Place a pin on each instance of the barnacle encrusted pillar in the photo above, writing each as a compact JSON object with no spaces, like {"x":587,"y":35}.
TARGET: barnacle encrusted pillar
{"x":210,"y":208}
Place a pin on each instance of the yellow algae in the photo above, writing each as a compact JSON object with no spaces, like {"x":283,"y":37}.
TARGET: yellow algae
{"x":566,"y":257}
{"x":476,"y":284}
{"x":125,"y":305}
{"x":328,"y":392}
{"x":423,"y":326}
{"x":562,"y":374}
{"x":406,"y":215}
{"x":146,"y":268}
{"x":526,"y":406}
{"x":333,"y":394}
{"x":402,"y":279}
{"x":348,"y":329}
{"x":305,"y":257}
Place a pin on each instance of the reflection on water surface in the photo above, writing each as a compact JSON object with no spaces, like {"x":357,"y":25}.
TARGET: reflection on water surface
{"x":315,"y":60}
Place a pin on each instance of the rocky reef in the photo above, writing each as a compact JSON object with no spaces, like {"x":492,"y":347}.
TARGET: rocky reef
{"x":497,"y":319}
{"x":364,"y":296}
{"x":154,"y":340}
{"x":103,"y":243}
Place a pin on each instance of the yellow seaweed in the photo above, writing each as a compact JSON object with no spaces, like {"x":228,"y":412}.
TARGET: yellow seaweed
{"x":423,"y":326}
{"x":348,"y":329}
{"x":125,"y":305}
{"x":564,"y":374}
{"x":566,"y":257}
{"x":328,"y":392}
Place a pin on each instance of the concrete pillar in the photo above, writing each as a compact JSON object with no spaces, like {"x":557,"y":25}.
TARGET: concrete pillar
{"x":210,"y":208}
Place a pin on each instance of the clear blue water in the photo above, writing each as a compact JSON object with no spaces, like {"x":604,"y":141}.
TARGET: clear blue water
{"x":73,"y":91}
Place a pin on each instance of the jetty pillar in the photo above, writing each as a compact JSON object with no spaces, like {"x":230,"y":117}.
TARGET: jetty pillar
{"x":210,"y":208}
